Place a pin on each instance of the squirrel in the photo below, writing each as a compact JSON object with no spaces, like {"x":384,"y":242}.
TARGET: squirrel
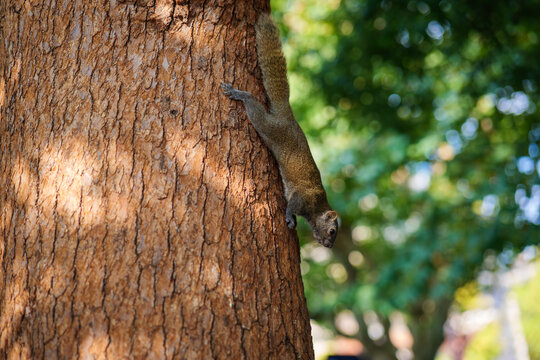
{"x":287,"y":142}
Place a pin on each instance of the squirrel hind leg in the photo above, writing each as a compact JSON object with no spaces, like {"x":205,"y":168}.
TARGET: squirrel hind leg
{"x":233,"y":93}
{"x":255,"y":111}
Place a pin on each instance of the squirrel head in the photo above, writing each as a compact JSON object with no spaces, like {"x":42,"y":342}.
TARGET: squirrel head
{"x":325,"y":227}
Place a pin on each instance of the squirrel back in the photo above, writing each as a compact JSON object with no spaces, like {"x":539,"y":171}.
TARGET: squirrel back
{"x":272,"y":61}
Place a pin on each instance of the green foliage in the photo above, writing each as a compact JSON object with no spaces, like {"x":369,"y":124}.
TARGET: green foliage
{"x":422,"y":117}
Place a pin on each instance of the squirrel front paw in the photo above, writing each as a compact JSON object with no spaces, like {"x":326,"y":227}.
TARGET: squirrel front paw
{"x":291,"y":221}
{"x":232,"y":92}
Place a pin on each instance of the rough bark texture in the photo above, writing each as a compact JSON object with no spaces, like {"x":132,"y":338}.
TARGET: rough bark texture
{"x":140,"y":214}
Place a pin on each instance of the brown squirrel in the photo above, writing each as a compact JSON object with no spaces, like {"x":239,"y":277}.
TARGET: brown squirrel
{"x":279,"y":130}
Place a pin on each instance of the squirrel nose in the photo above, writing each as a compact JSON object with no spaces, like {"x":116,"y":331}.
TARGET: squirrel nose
{"x":327,"y":243}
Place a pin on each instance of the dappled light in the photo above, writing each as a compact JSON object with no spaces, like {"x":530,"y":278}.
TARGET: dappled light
{"x":141,"y":216}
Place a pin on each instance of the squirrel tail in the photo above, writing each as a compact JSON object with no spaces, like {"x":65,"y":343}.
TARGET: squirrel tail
{"x":271,"y":60}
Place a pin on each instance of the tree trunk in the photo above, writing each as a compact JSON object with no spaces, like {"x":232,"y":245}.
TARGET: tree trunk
{"x":428,"y":330}
{"x":140,"y":214}
{"x":381,"y":349}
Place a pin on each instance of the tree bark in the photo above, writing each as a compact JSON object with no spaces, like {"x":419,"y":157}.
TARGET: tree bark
{"x":140,"y":214}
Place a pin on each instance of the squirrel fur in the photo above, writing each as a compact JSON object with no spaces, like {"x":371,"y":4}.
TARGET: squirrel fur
{"x":279,"y":130}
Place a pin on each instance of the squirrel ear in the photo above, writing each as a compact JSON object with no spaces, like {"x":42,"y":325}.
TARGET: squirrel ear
{"x":331,"y":215}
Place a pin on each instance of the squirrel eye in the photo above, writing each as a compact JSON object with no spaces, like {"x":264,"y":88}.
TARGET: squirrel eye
{"x":332,"y":231}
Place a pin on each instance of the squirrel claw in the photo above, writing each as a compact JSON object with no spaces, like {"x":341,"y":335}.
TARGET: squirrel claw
{"x":227,"y":89}
{"x":291,"y":222}
{"x":232,"y":92}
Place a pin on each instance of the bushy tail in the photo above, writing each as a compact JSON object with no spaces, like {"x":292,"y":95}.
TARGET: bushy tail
{"x":271,"y":60}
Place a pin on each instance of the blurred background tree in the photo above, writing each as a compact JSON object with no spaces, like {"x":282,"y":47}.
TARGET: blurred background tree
{"x":422,"y":116}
